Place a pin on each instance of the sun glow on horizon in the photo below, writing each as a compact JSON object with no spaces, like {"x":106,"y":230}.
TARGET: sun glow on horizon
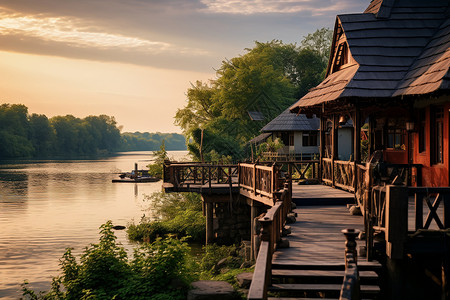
{"x":140,"y":98}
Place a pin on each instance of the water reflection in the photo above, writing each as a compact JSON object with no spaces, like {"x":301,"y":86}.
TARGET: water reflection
{"x":47,"y":206}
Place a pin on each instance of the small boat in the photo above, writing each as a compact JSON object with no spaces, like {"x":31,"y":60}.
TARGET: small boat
{"x":136,"y":176}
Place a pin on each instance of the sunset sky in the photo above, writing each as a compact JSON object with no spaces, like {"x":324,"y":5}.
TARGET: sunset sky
{"x":135,"y":59}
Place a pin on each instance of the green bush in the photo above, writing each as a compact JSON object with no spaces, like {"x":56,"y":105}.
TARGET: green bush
{"x":180,"y":214}
{"x":157,"y":271}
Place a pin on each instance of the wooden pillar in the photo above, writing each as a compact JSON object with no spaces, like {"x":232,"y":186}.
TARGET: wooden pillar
{"x":321,"y":144}
{"x":334,"y":148}
{"x":356,"y":145}
{"x":209,"y":223}
{"x":357,"y":135}
{"x":396,"y":220}
{"x":253,"y":215}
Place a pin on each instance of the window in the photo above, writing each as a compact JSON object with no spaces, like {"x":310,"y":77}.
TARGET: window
{"x":422,"y":132}
{"x":437,"y":135}
{"x":291,"y":139}
{"x":309,"y":138}
{"x":396,"y":139}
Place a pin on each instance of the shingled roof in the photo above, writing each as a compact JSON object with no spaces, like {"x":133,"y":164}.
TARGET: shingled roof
{"x":397,"y":48}
{"x":288,"y":121}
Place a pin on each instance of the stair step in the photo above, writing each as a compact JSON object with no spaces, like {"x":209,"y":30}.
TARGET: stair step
{"x":319,"y":273}
{"x":295,"y":287}
{"x":320,"y":276}
{"x":290,"y":298}
{"x":292,"y":265}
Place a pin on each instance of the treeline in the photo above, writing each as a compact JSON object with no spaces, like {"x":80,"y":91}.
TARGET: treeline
{"x":145,"y":141}
{"x":24,"y":135}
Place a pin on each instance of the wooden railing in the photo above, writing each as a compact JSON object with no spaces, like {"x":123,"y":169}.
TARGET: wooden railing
{"x":188,"y":174}
{"x":389,"y":208}
{"x":259,"y":180}
{"x":361,"y":183}
{"x":344,"y":175}
{"x":272,"y":224}
{"x":434,"y":198}
{"x":275,"y":156}
{"x":387,"y":172}
{"x":327,"y":170}
{"x":351,"y":286}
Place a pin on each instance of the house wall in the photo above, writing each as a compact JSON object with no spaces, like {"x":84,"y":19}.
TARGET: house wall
{"x":298,"y":142}
{"x":345,"y":143}
{"x":437,"y":174}
{"x":298,"y":147}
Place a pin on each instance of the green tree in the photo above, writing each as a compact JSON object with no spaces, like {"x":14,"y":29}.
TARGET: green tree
{"x":41,"y":134}
{"x":320,"y":42}
{"x":14,"y":131}
{"x":267,"y":79}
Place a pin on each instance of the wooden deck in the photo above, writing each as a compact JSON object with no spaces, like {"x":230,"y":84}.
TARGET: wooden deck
{"x":316,"y":237}
{"x":319,"y":194}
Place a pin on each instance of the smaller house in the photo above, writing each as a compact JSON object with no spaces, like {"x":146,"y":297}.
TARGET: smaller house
{"x":298,"y":133}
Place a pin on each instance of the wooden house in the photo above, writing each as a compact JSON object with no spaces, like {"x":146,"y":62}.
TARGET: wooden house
{"x":298,"y":134}
{"x":389,"y":70}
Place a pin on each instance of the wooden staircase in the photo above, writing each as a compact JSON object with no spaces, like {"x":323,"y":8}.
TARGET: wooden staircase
{"x":312,"y":281}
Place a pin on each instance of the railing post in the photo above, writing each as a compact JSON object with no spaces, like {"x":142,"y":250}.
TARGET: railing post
{"x":396,"y":220}
{"x":254,"y":179}
{"x":351,"y":286}
{"x":350,"y":244}
{"x":267,"y":235}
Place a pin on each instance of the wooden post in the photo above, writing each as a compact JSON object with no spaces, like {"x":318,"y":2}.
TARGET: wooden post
{"x":366,"y":212}
{"x":396,"y":220}
{"x":209,"y":223}
{"x":446,"y":198}
{"x":321,"y":146}
{"x":418,"y":199}
{"x":253,"y":215}
{"x":356,"y":145}
{"x":334,"y":151}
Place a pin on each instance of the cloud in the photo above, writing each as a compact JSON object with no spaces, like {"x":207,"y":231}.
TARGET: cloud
{"x":272,"y":6}
{"x":71,"y":32}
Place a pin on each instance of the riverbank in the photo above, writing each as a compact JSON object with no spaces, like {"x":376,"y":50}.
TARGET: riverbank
{"x":47,"y":206}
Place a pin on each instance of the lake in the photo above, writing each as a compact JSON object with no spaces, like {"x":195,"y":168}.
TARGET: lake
{"x":47,"y":206}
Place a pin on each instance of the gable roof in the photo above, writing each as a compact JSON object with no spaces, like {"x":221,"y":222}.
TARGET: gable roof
{"x":288,"y":121}
{"x":398,"y":47}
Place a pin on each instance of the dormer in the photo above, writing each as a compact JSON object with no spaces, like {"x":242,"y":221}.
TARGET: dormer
{"x":340,"y":56}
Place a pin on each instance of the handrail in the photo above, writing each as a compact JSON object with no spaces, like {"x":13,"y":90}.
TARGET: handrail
{"x":200,"y":174}
{"x":351,"y":286}
{"x":272,"y":224}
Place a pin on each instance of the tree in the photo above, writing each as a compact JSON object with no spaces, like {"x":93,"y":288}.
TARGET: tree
{"x":41,"y":134}
{"x":320,"y":42}
{"x":14,"y":131}
{"x":266,"y":80}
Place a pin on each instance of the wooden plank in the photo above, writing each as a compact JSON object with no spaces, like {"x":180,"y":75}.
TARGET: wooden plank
{"x":318,"y":273}
{"x":299,"y":287}
{"x":258,"y":287}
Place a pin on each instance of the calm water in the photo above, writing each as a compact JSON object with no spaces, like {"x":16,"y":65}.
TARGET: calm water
{"x":47,"y":206}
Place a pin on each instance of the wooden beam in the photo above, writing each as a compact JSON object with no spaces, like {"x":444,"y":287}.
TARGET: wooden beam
{"x":209,"y":223}
{"x":334,"y":148}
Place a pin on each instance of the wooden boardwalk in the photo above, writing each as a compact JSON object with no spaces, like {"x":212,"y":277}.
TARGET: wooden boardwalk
{"x":316,"y":237}
{"x":319,"y":194}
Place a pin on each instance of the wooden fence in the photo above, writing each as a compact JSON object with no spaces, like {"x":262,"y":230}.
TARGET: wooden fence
{"x":389,"y":211}
{"x":186,"y":175}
